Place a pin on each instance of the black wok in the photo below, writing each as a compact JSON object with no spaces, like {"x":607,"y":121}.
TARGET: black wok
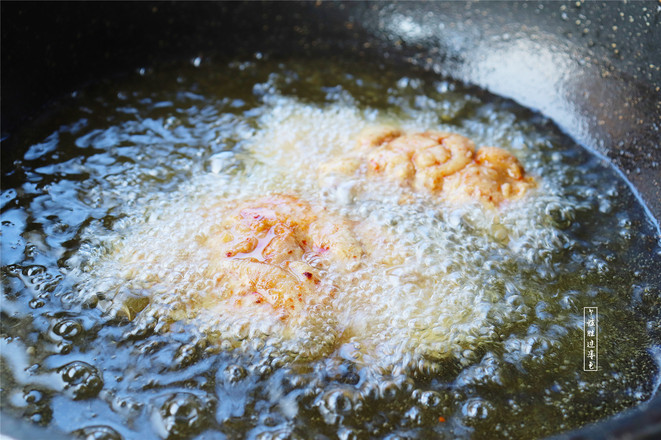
{"x":594,"y":68}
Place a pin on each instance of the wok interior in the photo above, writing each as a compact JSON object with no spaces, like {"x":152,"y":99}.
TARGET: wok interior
{"x":608,"y":104}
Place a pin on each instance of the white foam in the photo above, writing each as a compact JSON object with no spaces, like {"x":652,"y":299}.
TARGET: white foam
{"x":427,"y":290}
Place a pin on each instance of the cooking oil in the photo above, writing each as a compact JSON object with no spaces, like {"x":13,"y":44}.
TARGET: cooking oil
{"x":459,"y":321}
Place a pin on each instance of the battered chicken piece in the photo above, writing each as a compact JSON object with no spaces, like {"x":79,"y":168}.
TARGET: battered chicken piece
{"x":442,"y":163}
{"x":493,"y":177}
{"x":269,"y":251}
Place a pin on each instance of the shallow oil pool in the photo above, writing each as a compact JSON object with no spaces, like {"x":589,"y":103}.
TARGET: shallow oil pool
{"x":476,"y":331}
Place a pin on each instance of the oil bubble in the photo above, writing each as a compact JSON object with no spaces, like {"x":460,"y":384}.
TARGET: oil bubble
{"x":139,"y":332}
{"x":67,"y":329}
{"x":38,"y":408}
{"x":413,"y":417}
{"x":561,"y":216}
{"x":388,"y":390}
{"x":33,"y":270}
{"x":37,"y":303}
{"x":41,"y":415}
{"x":476,"y":408}
{"x":428,"y":399}
{"x":33,"y":396}
{"x":97,"y":432}
{"x":125,"y":405}
{"x":235,"y":373}
{"x":186,"y":355}
{"x":181,"y":415}
{"x":334,"y":404}
{"x":487,"y":371}
{"x":64,"y":348}
{"x":82,"y":379}
{"x":13,"y":270}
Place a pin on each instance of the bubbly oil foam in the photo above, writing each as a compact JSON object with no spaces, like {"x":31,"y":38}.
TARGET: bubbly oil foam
{"x":427,"y":287}
{"x":455,"y":317}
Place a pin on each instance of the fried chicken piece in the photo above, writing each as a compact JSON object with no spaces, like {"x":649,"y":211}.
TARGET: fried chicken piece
{"x":493,"y":177}
{"x":442,"y":163}
{"x":422,"y":159}
{"x":269,"y":251}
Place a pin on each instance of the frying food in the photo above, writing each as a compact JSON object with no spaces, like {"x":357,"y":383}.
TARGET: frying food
{"x":176,"y":267}
{"x":438,"y":162}
{"x":269,"y":251}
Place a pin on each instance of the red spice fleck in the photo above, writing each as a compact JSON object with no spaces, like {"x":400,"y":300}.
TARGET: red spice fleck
{"x":258,"y":297}
{"x":308,"y":275}
{"x":229,"y":254}
{"x":320,"y":250}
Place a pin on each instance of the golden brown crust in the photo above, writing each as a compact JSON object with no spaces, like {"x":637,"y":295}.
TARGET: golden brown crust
{"x":262,"y":252}
{"x":442,"y":163}
{"x":494,"y":177}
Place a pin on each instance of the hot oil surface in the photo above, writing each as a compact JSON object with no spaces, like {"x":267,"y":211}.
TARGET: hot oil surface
{"x":463,"y":322}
